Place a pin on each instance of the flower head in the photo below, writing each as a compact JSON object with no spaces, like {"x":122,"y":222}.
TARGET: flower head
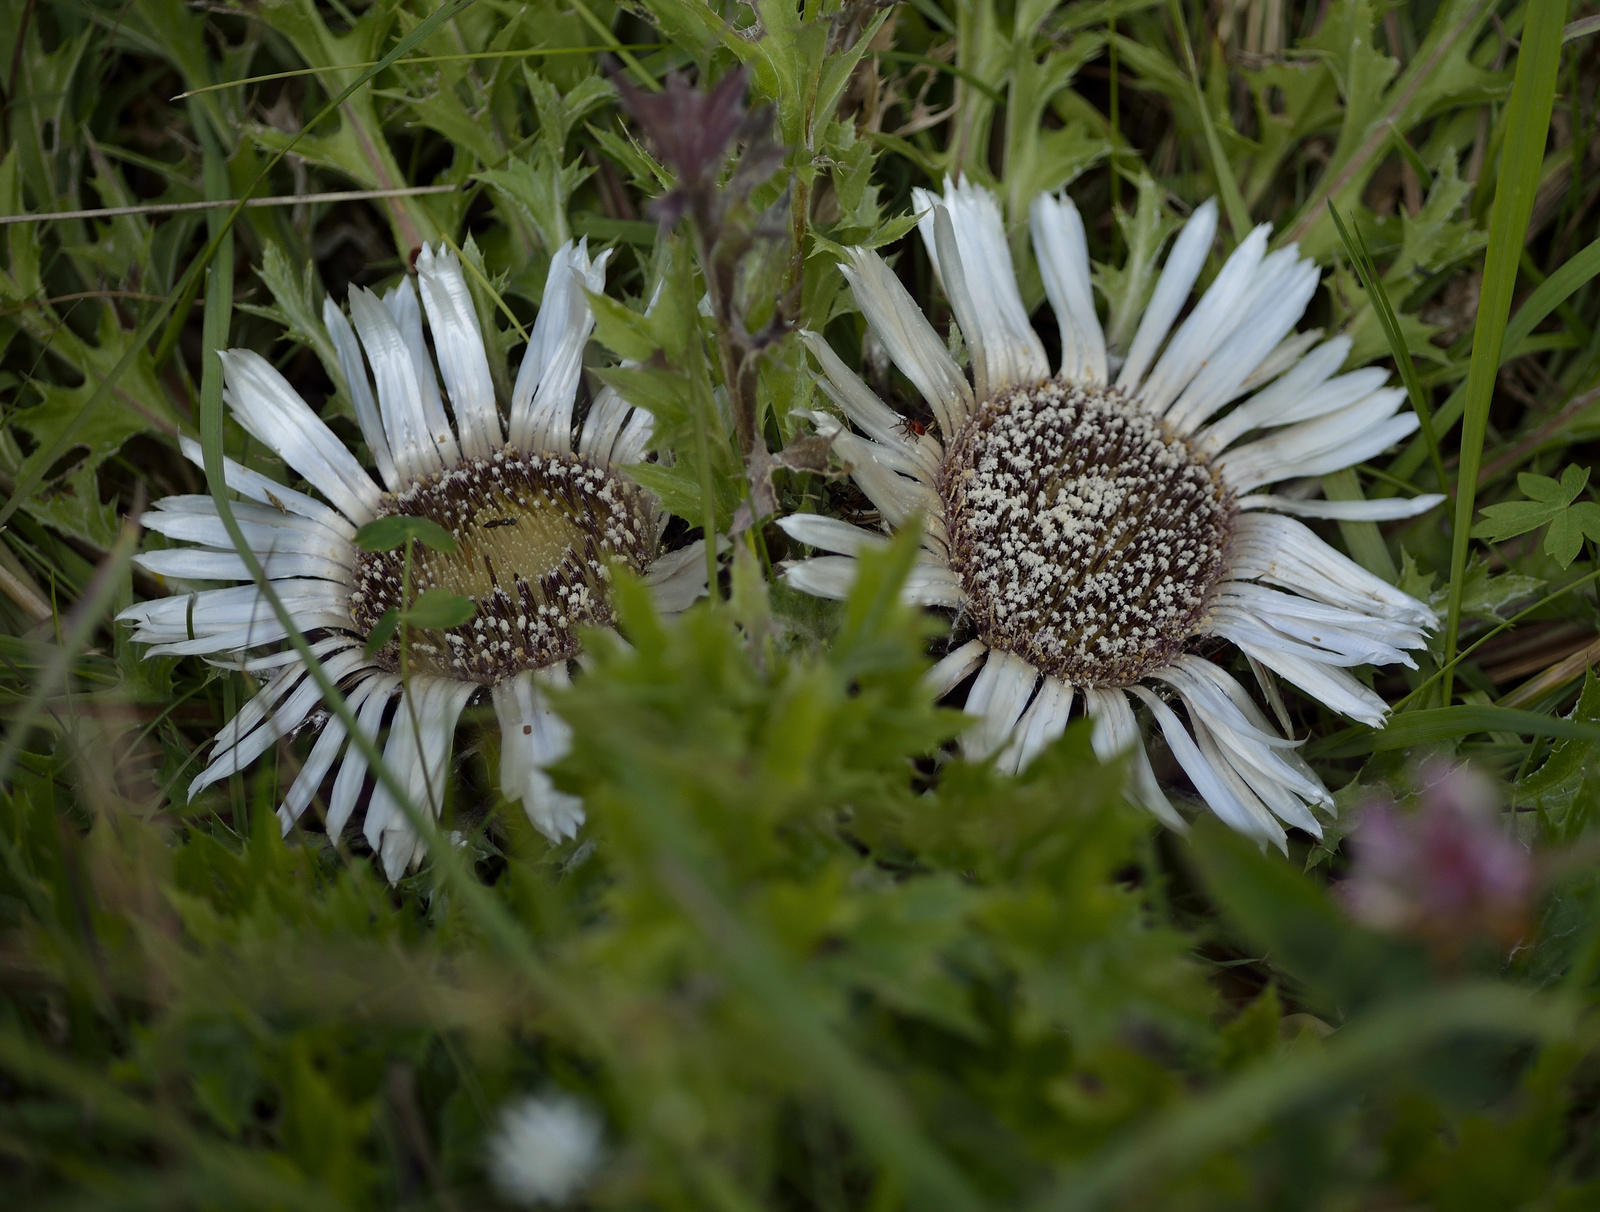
{"x":536,"y":518}
{"x":1095,"y":526}
{"x":1445,"y":873}
{"x":545,"y":1150}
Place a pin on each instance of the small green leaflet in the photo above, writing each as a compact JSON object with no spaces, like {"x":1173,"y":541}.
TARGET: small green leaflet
{"x":434,"y":610}
{"x":385,"y":534}
{"x":439,"y":608}
{"x":1549,"y":501}
{"x":386,"y":626}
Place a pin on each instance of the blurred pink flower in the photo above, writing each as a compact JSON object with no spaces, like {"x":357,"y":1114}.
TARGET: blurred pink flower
{"x":1448,"y":872}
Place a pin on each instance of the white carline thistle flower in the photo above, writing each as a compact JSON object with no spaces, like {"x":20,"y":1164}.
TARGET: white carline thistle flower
{"x":1093,"y":525}
{"x":536,"y":519}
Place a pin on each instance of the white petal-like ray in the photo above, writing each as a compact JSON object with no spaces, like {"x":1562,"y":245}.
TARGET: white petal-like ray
{"x":1286,"y":354}
{"x":199,"y":564}
{"x":1116,"y":731}
{"x":547,"y":383}
{"x":868,"y":413}
{"x":352,"y":774}
{"x":252,"y":731}
{"x":603,"y":425}
{"x":1352,"y":434}
{"x":532,"y":736}
{"x":1383,"y":509}
{"x":193,"y":518}
{"x":1231,"y":778}
{"x":829,"y":577}
{"x":678,"y":579}
{"x":1043,"y":722}
{"x":1216,"y":789}
{"x":1329,"y":684}
{"x":1269,"y":547}
{"x":634,"y":440}
{"x":257,"y":487}
{"x":1210,"y":323}
{"x":1300,"y":395}
{"x":271,"y":410}
{"x":912,"y":344}
{"x":360,"y":388}
{"x":457,"y":337}
{"x":402,"y":304}
{"x":1188,"y":257}
{"x":966,"y":240}
{"x":954,"y":668}
{"x":400,"y":400}
{"x":878,"y":471}
{"x":1063,"y":253}
{"x":998,"y":697}
{"x":330,"y":741}
{"x":418,"y":753}
{"x":833,"y":576}
{"x":1222,"y":377}
{"x":830,"y":534}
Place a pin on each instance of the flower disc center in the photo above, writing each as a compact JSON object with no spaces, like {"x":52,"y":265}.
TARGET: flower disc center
{"x":1087,"y":536}
{"x":534,"y":537}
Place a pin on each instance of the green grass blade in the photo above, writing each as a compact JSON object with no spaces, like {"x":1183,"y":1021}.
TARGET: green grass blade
{"x":1378,"y":1042}
{"x":1355,"y":247}
{"x":1227,"y":186}
{"x":1521,"y":159}
{"x":1436,"y":724}
{"x":41,"y":461}
{"x":79,"y":628}
{"x":1546,"y":298}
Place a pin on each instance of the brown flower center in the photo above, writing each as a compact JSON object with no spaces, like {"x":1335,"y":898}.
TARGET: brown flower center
{"x":1087,"y":536}
{"x":535,"y":536}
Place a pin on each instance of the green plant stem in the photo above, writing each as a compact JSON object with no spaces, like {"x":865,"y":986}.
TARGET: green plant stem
{"x":405,"y":675}
{"x":1521,"y":158}
{"x":79,"y":627}
{"x":1355,"y":247}
{"x":702,"y":443}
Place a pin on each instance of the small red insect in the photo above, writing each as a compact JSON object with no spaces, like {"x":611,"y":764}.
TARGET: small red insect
{"x":913,"y":428}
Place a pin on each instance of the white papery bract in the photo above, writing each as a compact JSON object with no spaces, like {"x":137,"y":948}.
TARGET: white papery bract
{"x":537,"y":517}
{"x":1095,"y":527}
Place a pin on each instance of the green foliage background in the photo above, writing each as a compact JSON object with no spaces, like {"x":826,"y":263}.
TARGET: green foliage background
{"x":794,"y":961}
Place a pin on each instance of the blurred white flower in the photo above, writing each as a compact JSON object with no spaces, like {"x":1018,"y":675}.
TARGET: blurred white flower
{"x":545,"y":1150}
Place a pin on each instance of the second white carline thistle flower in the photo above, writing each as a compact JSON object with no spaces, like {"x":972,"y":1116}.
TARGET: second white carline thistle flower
{"x":536,"y":518}
{"x":1094,"y":525}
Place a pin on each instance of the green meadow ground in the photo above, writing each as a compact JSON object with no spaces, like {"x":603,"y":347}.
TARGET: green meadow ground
{"x":793,"y":961}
